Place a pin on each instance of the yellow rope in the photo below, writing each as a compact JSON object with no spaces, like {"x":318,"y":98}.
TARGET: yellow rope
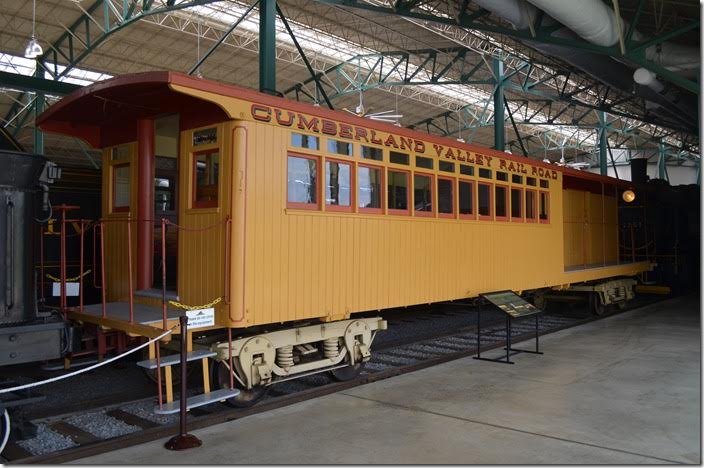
{"x":68,"y":280}
{"x":187,"y":307}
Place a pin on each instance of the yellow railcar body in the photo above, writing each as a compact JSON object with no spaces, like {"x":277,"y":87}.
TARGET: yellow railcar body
{"x":275,"y":263}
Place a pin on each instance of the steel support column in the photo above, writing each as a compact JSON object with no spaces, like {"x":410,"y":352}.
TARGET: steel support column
{"x":661,"y":160}
{"x":267,"y":45}
{"x":499,"y":110}
{"x":603,"y":135}
{"x":145,"y":203}
{"x":38,"y":109}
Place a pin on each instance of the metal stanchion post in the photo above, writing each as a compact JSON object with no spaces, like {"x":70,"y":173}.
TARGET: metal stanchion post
{"x":183,"y":440}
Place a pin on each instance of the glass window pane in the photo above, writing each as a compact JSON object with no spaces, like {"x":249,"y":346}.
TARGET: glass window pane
{"x":500,"y":201}
{"x":484,"y":199}
{"x":501,"y":176}
{"x":337,"y":184}
{"x":445,"y":196}
{"x":530,"y":204}
{"x":120,"y":153}
{"x":543,"y":206}
{"x":466,"y":170}
{"x":425,"y":163}
{"x":530,"y":181}
{"x":516,"y":203}
{"x":398,"y":190}
{"x":398,"y":158}
{"x":466,"y":198}
{"x":516,"y":179}
{"x":369,"y":152}
{"x":302,"y":180}
{"x":485,"y":173}
{"x":340,"y":147}
{"x":369,"y":182}
{"x":305,"y":141}
{"x":447,"y":166}
{"x":422,"y":193}
{"x":207,"y":168}
{"x":544,"y":183}
{"x":121,"y":189}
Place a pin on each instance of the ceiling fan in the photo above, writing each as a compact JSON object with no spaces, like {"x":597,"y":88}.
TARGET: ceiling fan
{"x":383,"y":116}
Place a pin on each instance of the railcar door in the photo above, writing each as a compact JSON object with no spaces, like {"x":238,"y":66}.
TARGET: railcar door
{"x":166,"y":144}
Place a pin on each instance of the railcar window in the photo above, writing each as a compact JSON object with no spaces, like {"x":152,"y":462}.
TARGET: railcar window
{"x":338,"y":184}
{"x":516,"y":203}
{"x":302,"y":182}
{"x":369,"y":152}
{"x":530,"y":205}
{"x":485,"y":173}
{"x":466,"y":170}
{"x":423,"y":193}
{"x":398,"y":158}
{"x":121,"y":187}
{"x":530,"y":181}
{"x":484,"y":200}
{"x":305,"y":141}
{"x":544,"y":213}
{"x":516,"y":179}
{"x":398,"y":192}
{"x":500,"y":204}
{"x":340,"y":147}
{"x":466,"y":193}
{"x":446,"y":166}
{"x":425,"y":163}
{"x":446,"y":204}
{"x":501,"y":176}
{"x":206,"y":173}
{"x":120,"y":153}
{"x":544,"y":184}
{"x":369,"y":187}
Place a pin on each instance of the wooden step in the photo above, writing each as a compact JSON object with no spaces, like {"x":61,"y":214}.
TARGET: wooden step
{"x":198,"y":400}
{"x":175,"y":359}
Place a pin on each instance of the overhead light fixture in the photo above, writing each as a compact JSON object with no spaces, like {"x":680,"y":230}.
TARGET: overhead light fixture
{"x":33,"y":49}
{"x":628,"y":196}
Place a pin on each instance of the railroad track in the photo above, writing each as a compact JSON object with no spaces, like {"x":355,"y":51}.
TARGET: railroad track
{"x":76,"y":435}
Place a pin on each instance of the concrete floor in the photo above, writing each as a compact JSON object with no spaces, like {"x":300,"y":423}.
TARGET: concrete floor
{"x":621,"y":390}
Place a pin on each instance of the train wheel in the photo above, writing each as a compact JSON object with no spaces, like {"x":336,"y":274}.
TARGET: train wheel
{"x":246,"y":398}
{"x":346,"y":373}
{"x":595,"y":305}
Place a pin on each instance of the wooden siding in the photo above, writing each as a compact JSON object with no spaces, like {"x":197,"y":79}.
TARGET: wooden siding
{"x":591,"y":228}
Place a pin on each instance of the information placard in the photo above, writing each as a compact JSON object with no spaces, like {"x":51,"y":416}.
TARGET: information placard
{"x":201,"y":318}
{"x":511,"y":303}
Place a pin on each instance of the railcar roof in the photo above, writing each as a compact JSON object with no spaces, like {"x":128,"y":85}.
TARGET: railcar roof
{"x":83,"y":112}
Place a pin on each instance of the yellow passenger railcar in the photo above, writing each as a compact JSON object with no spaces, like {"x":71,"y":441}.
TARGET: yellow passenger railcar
{"x":287,"y":219}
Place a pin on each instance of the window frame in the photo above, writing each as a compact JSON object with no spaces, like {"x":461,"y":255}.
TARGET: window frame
{"x":471,"y":182}
{"x":382,"y":182}
{"x":547,"y":206}
{"x":353,"y":200}
{"x":521,"y":204}
{"x":425,"y":214}
{"x":394,"y":211}
{"x":452,"y":215}
{"x":507,"y":202}
{"x":121,"y":208}
{"x":490,"y":216}
{"x":298,"y":205}
{"x":534,"y":219}
{"x":338,"y":154}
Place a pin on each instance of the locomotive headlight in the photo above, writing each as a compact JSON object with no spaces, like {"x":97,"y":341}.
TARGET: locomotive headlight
{"x":628,"y":196}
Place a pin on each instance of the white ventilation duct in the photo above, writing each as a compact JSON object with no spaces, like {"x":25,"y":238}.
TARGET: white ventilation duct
{"x":596,"y":22}
{"x":645,"y":77}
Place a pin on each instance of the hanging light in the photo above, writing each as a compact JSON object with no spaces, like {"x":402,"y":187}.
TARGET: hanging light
{"x":33,"y":49}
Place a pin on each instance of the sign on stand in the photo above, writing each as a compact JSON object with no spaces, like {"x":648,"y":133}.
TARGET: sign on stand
{"x":201,"y":318}
{"x":72,"y":289}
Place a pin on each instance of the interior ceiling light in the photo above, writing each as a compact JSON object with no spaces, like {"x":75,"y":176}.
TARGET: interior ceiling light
{"x":33,"y":49}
